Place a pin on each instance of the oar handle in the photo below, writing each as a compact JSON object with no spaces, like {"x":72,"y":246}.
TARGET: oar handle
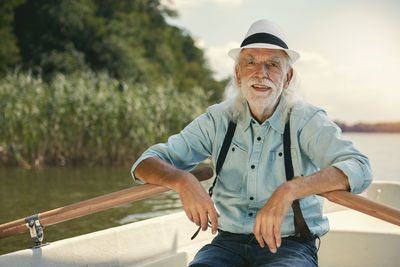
{"x":95,"y":204}
{"x":361,"y":204}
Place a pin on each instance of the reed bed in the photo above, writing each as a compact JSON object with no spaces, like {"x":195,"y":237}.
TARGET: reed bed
{"x":87,"y":118}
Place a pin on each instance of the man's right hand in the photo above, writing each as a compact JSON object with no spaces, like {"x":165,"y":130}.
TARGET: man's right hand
{"x":197,"y":203}
{"x":195,"y":200}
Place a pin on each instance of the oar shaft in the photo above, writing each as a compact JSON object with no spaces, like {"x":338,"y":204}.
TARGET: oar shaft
{"x":95,"y":204}
{"x":364,"y":205}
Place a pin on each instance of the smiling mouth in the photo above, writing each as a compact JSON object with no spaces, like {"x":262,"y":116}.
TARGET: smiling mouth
{"x":260,"y":87}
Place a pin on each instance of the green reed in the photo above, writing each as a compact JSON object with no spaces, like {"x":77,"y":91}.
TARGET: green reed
{"x":87,"y":118}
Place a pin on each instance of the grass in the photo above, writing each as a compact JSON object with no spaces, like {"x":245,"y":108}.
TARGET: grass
{"x":87,"y":118}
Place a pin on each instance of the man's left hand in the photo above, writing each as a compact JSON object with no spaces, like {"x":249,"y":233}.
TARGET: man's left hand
{"x":267,"y":227}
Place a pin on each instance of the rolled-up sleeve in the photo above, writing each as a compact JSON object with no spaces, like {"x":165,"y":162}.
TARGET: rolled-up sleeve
{"x":321,"y":140}
{"x":186,"y":149}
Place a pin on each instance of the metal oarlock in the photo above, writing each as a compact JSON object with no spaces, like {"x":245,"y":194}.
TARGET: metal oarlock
{"x":35,"y":229}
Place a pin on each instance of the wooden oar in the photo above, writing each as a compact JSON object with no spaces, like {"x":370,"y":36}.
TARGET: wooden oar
{"x":95,"y":204}
{"x":364,"y":205}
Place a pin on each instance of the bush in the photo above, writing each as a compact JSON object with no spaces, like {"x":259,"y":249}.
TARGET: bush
{"x":87,"y":118}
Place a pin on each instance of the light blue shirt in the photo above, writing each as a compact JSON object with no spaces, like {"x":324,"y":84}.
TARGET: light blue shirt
{"x":254,"y":165}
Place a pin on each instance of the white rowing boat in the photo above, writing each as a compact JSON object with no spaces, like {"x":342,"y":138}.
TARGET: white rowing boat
{"x":355,"y":239}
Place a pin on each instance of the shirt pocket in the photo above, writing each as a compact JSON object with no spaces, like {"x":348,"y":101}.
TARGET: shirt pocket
{"x":276,"y":160}
{"x":233,"y":170}
{"x":275,"y":168}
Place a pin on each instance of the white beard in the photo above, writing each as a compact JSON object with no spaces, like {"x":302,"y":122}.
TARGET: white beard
{"x":261,"y":101}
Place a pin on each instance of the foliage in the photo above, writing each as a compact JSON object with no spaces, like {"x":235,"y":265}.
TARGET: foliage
{"x":128,"y":39}
{"x":9,"y":51}
{"x":95,"y":81}
{"x":87,"y":118}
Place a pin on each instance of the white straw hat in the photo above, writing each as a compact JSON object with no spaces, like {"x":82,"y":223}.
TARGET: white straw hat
{"x":264,"y":34}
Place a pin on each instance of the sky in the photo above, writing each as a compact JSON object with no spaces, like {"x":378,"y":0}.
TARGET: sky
{"x":350,"y":49}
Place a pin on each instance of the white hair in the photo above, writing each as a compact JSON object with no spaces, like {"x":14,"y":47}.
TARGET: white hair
{"x":234,"y":99}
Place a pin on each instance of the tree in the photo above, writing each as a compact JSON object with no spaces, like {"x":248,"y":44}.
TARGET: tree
{"x":131,"y":40}
{"x":9,"y":51}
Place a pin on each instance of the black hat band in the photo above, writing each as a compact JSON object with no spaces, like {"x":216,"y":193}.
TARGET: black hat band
{"x":263,"y":37}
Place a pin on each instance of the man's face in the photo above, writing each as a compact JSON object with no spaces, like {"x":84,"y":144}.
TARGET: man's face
{"x":262,"y":74}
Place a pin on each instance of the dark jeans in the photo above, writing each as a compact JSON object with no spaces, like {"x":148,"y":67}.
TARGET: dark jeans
{"x":229,"y":250}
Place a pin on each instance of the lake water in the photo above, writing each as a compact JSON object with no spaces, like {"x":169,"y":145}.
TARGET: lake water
{"x":27,"y":192}
{"x":383,"y":151}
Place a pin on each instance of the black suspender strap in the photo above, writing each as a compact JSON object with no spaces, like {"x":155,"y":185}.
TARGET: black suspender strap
{"x":224,"y":151}
{"x":220,"y":161}
{"x":299,"y":223}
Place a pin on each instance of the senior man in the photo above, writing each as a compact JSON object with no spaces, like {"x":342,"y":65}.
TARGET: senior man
{"x":273,"y":153}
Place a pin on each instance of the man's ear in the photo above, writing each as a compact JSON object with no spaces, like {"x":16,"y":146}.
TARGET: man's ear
{"x":237,"y":72}
{"x":289,"y":76}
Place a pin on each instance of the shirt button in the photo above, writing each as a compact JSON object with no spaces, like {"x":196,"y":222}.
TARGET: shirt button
{"x":252,"y":166}
{"x":253,"y":122}
{"x":250,"y":214}
{"x":251,"y":198}
{"x":233,"y":149}
{"x":259,"y":138}
{"x":280,"y":154}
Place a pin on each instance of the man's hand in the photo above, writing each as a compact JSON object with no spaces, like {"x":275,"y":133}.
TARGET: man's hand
{"x":197,"y":203}
{"x":267,"y":227}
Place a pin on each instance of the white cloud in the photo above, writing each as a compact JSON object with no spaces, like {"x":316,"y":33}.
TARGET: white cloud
{"x":224,"y":2}
{"x":199,"y":43}
{"x":345,"y":92}
{"x":312,"y":57}
{"x":317,"y":76}
{"x":192,"y":3}
{"x":219,"y":60}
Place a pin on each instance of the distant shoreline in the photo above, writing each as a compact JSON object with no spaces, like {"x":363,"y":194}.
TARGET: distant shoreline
{"x":382,"y":127}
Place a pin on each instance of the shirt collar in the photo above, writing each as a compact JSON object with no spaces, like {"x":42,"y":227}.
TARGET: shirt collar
{"x":246,"y":120}
{"x":277,"y":120}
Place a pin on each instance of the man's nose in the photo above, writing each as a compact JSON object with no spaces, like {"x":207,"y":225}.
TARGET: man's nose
{"x":262,"y":70}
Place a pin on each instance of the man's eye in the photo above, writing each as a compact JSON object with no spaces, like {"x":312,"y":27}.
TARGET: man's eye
{"x":250,"y":63}
{"x":274,"y":65}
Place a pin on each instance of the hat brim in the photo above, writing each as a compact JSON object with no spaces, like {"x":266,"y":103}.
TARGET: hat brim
{"x":234,"y":53}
